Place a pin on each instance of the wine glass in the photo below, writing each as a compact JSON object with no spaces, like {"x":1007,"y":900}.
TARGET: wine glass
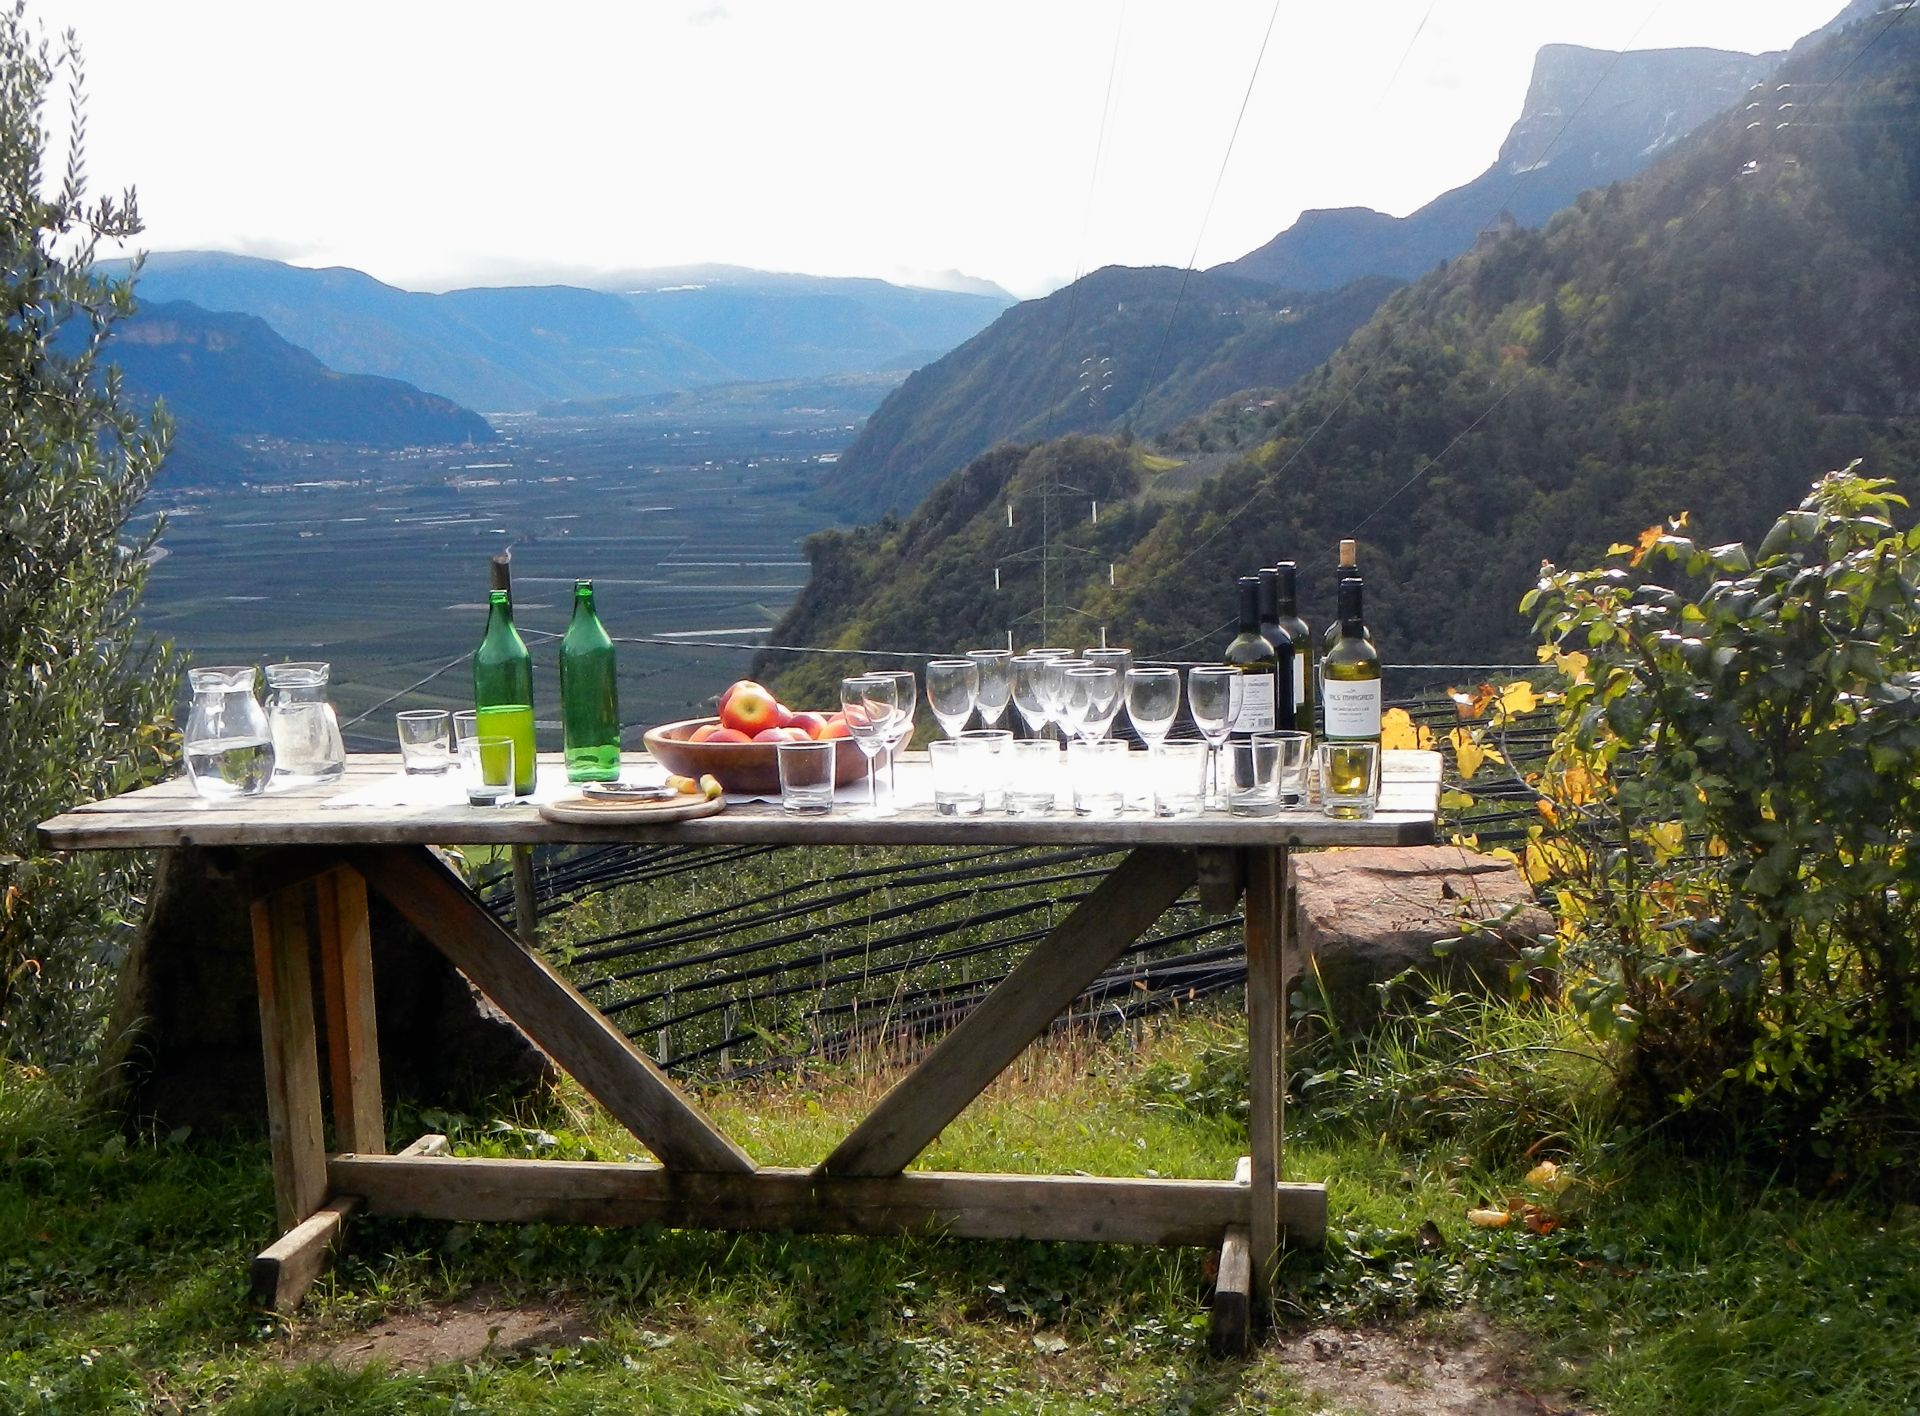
{"x":1213,"y":695}
{"x":1028,"y":701}
{"x":1053,"y":690}
{"x":1153,"y":702}
{"x":901,"y":727}
{"x":1051,"y":653}
{"x":1091,"y":700}
{"x":953,"y":688}
{"x":996,"y":682}
{"x":1119,"y":660}
{"x":870,"y":702}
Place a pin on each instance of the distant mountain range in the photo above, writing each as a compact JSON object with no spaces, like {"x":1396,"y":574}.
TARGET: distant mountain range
{"x":229,"y":378}
{"x":517,"y":347}
{"x":1263,"y":321}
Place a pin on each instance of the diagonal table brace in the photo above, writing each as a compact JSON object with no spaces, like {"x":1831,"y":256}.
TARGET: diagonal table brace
{"x":1054,"y":973}
{"x":549,"y":1010}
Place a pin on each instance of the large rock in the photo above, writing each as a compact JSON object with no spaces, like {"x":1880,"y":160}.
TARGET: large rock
{"x":1368,"y":914}
{"x":184,"y":1044}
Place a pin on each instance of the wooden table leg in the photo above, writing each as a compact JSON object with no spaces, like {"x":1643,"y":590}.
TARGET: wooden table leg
{"x":291,"y":1054}
{"x":1233,"y":1283}
{"x":353,"y":1045}
{"x":1266,"y":1023}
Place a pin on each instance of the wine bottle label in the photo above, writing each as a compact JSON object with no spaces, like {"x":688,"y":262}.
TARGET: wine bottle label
{"x":1299,"y":679}
{"x":1256,"y":713}
{"x":1352,"y":707}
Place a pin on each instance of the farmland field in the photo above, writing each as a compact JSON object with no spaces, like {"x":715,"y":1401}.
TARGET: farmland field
{"x":378,"y":561}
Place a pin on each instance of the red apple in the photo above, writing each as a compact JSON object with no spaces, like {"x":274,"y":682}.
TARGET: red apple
{"x":733,"y":688}
{"x":749,"y":708}
{"x":703,"y":732}
{"x":782,"y":715}
{"x":835,"y":728}
{"x":729,"y":735}
{"x":808,"y":723}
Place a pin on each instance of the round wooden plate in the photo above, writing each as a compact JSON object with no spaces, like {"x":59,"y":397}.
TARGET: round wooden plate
{"x":579,"y":811}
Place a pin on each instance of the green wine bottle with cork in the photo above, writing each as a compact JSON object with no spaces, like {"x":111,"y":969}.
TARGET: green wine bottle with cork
{"x":503,"y":682}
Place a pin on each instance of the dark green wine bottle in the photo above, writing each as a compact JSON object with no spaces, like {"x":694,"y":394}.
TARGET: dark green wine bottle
{"x":589,"y":695}
{"x":1252,"y":655}
{"x":1350,"y":674}
{"x":1286,"y":614}
{"x":503,"y":689}
{"x":1286,"y":653}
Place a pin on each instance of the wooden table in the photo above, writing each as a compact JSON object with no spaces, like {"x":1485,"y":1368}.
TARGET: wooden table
{"x":307,"y":861}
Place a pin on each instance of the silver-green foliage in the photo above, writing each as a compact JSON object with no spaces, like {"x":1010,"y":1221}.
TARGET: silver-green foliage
{"x":83,"y":694}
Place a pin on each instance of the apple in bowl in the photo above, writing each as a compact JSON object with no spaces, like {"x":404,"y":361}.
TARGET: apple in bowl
{"x":697,"y":747}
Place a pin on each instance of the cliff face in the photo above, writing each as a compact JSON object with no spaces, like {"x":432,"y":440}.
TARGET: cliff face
{"x":1591,"y":117}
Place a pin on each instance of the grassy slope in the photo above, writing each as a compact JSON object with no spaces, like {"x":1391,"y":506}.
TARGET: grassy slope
{"x":121,"y":1265}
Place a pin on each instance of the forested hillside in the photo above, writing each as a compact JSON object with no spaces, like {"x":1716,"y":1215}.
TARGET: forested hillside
{"x":1710,"y":337}
{"x":1122,"y":347}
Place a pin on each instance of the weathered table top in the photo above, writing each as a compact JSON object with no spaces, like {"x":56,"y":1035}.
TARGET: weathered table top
{"x":172,"y":815}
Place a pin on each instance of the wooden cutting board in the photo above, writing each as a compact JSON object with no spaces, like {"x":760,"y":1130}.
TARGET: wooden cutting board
{"x":579,"y":811}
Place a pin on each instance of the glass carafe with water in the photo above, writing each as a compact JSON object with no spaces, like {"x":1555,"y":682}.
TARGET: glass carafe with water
{"x":305,"y":730}
{"x":228,"y":746}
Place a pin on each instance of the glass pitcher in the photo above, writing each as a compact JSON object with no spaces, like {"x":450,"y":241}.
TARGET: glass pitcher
{"x":305,"y":731}
{"x":228,"y":746}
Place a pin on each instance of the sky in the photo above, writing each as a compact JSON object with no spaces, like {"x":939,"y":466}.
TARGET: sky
{"x":437,"y":144}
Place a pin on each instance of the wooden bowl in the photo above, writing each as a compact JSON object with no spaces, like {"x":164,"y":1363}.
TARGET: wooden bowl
{"x":739,"y":766}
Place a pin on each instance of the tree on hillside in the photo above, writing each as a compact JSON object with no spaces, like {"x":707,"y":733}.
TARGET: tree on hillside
{"x":83,"y":694}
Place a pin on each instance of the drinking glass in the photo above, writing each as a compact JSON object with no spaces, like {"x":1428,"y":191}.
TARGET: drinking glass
{"x":1097,"y":770}
{"x":1053,"y":691}
{"x":806,"y":777}
{"x":997,"y":743}
{"x":1090,"y":701}
{"x":996,"y":681}
{"x":953,"y":688}
{"x":1033,"y":778}
{"x":1180,"y":778}
{"x":1253,"y":776}
{"x":1348,"y":772}
{"x":486,"y":769}
{"x":1119,"y":660}
{"x":1028,"y":701}
{"x":1153,"y":702}
{"x":1290,"y":772}
{"x":1213,"y":696}
{"x":1051,"y":653}
{"x":901,"y":727}
{"x":959,"y":778}
{"x":466,"y":724}
{"x":870,"y":702}
{"x":424,"y":747}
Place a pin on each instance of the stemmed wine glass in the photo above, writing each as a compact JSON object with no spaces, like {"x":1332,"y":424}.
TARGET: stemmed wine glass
{"x":1053,"y":690}
{"x":1028,"y":669}
{"x":1213,"y":695}
{"x":1089,"y":702}
{"x":1153,"y":702}
{"x":953,"y":688}
{"x":901,"y":728}
{"x":1119,"y":660}
{"x":996,"y":682}
{"x":870,"y":702}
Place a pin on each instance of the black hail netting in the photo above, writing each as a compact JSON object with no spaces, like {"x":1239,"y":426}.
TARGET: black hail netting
{"x":718,"y":959}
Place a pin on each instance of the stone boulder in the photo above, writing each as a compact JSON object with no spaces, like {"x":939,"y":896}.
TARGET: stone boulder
{"x":1367,"y":914}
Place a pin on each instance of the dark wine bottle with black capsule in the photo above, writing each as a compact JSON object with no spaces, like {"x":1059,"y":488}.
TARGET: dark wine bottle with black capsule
{"x":1350,"y":674}
{"x":1253,"y":656}
{"x":1286,"y":615}
{"x":1286,"y":653}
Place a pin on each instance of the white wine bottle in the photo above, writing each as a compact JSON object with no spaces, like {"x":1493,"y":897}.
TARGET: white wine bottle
{"x":1350,"y":674}
{"x":1348,"y":569}
{"x":1253,"y":656}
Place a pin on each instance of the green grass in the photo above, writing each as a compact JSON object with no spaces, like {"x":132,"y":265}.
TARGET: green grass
{"x":1664,"y":1288}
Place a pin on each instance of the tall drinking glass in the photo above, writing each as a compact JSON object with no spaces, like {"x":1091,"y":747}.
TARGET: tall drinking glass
{"x":1153,"y":702}
{"x":1213,"y":695}
{"x":996,"y":683}
{"x":1028,"y":701}
{"x":869,"y":702}
{"x":953,"y":688}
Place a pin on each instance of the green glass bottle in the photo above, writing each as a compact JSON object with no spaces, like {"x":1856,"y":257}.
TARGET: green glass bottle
{"x":503,"y":689}
{"x":1286,"y":617}
{"x":1286,"y":653}
{"x":1253,"y":656}
{"x":1350,"y":674}
{"x":589,"y":694}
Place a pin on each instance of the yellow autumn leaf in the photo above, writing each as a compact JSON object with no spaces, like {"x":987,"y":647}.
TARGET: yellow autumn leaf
{"x":1549,"y":1176}
{"x":1469,"y":840}
{"x":1646,"y":541}
{"x":1489,"y":1218}
{"x":1467,"y":752}
{"x":1453,"y":799}
{"x":1503,"y":853}
{"x":1577,"y":785}
{"x":1547,"y":809}
{"x":1397,"y":731}
{"x":1619,"y":548}
{"x":1573,"y":665}
{"x":1517,"y":697}
{"x":1666,"y":840}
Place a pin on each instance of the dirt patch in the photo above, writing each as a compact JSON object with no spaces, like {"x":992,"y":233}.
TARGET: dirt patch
{"x":465,"y":1331}
{"x":1465,"y":1370}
